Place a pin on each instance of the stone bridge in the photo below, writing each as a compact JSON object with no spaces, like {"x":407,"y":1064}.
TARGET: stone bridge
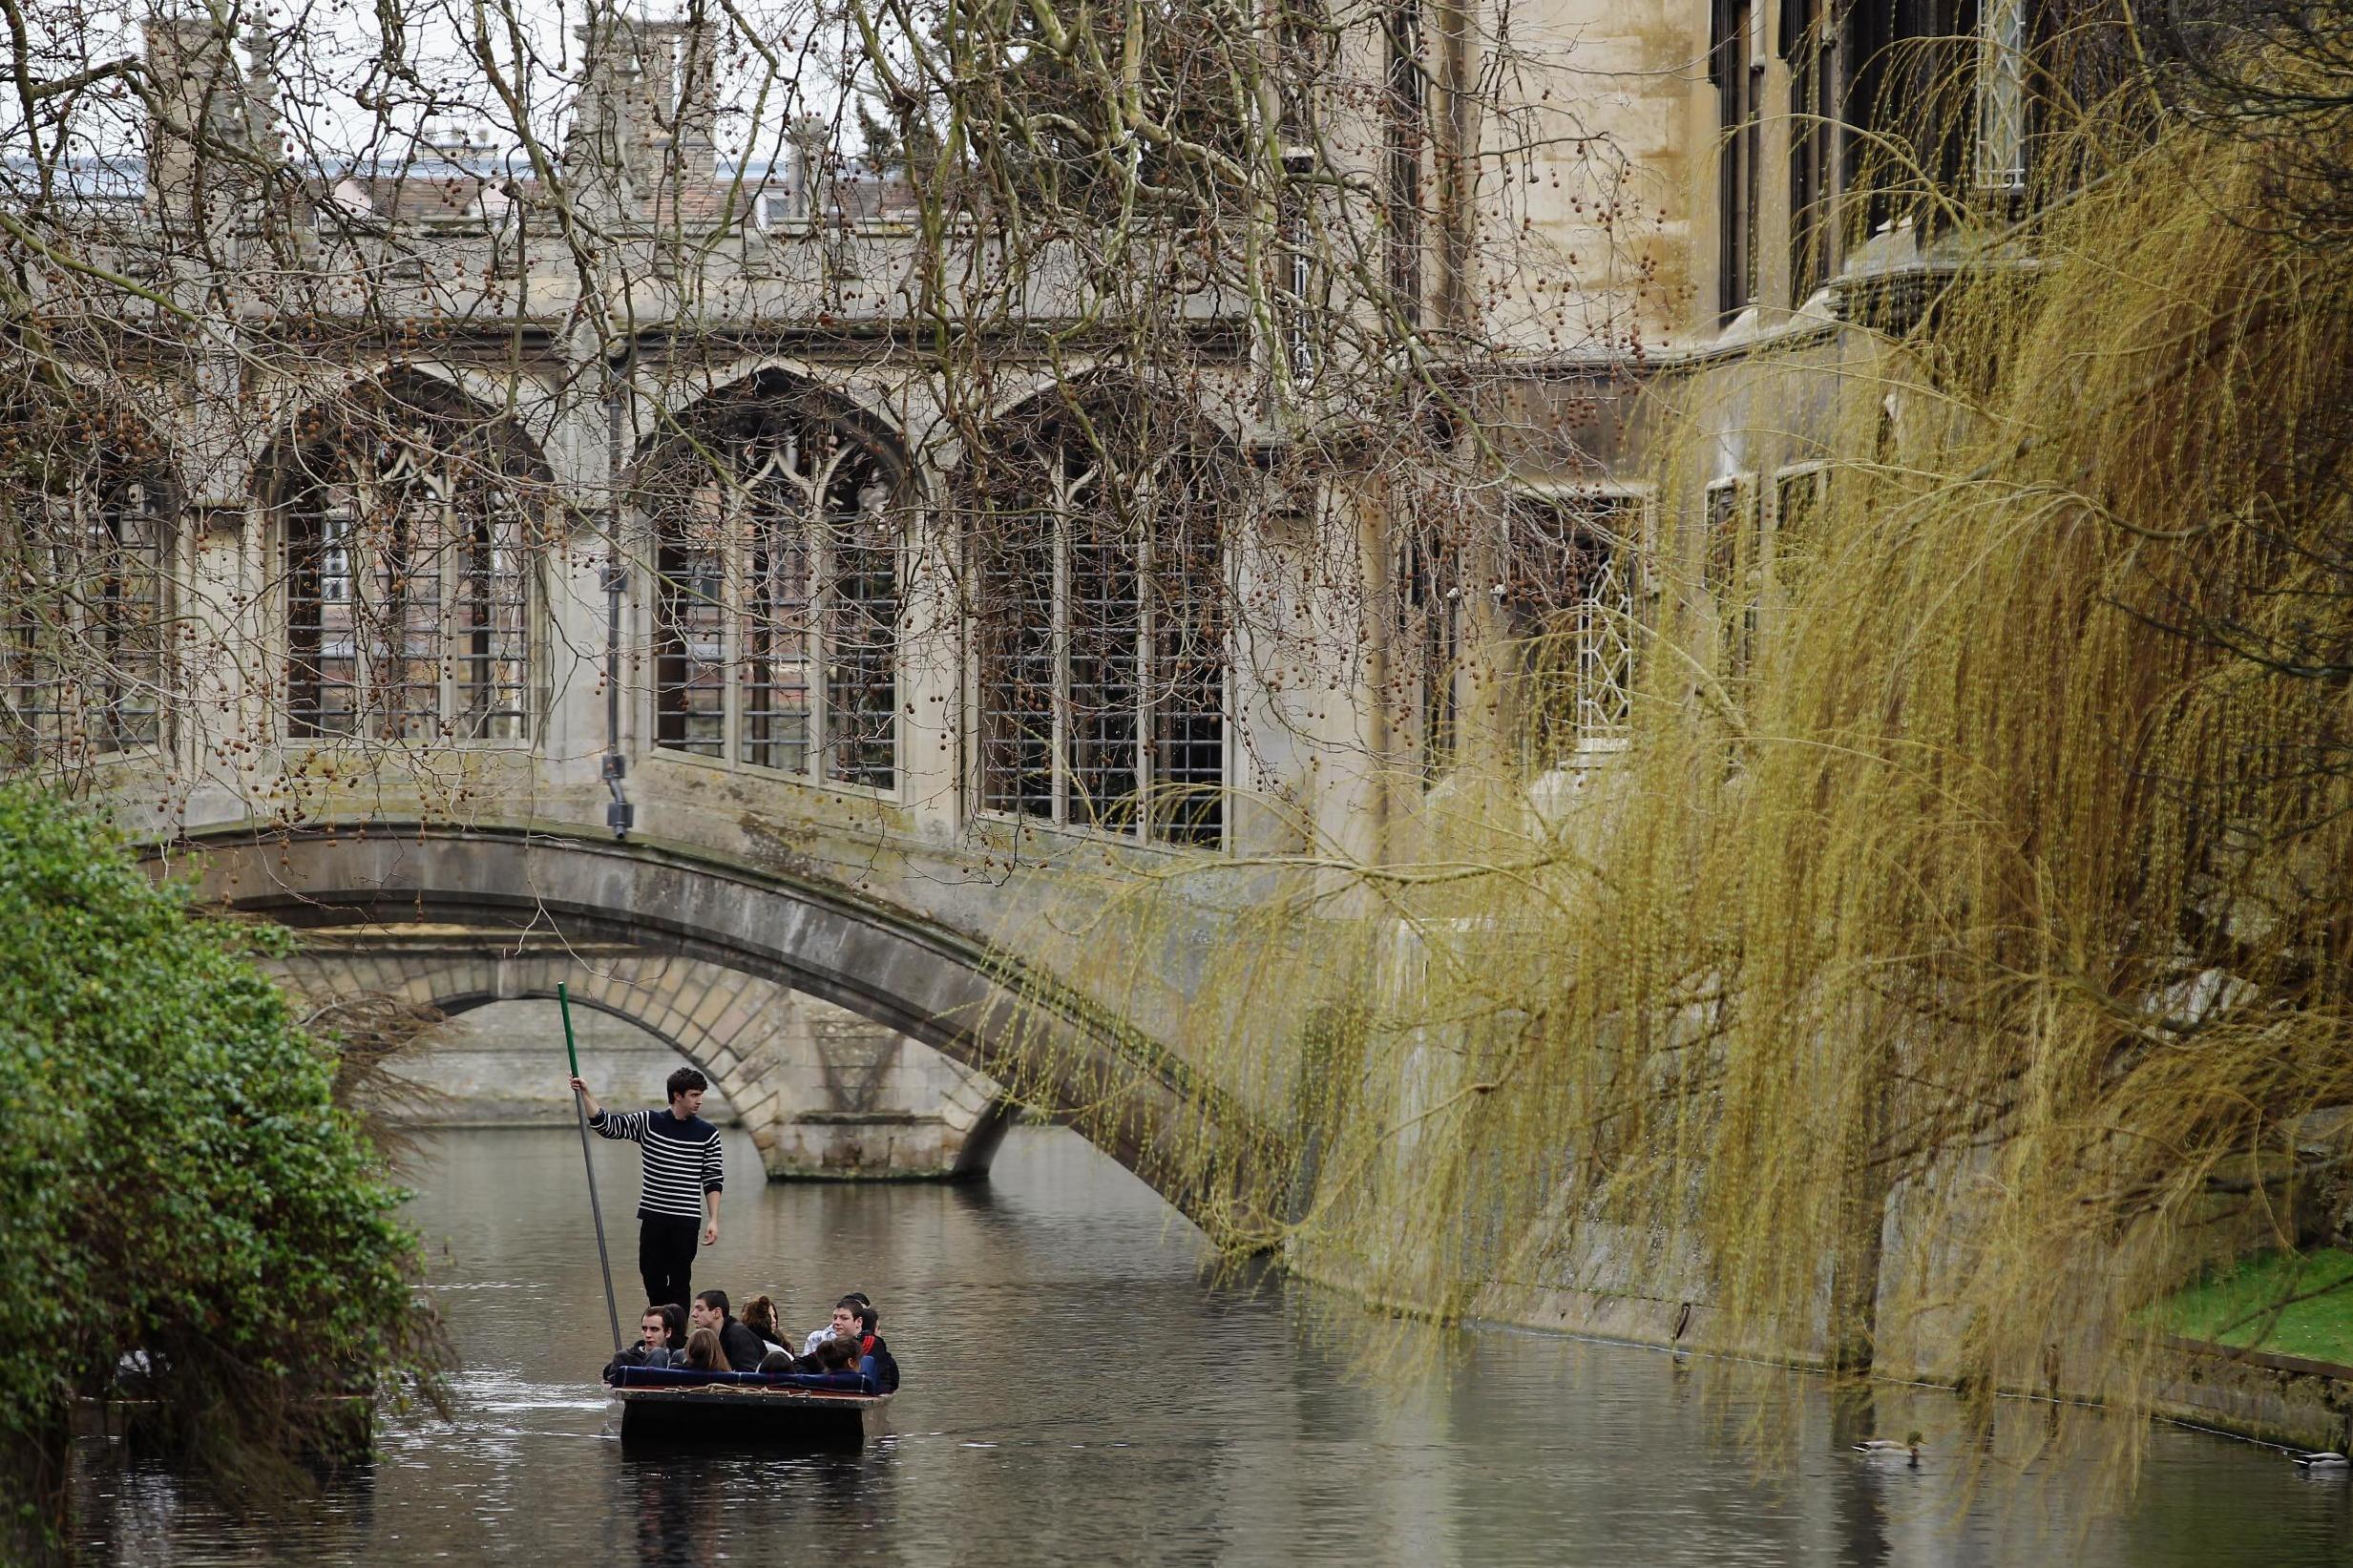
{"x":819,"y":1088}
{"x":713,"y":953}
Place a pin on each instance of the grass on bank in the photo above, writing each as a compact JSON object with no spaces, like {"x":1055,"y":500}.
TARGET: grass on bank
{"x":2243,"y":1306}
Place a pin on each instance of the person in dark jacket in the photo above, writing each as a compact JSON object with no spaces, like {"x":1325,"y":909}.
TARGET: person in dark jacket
{"x":658,"y":1343}
{"x":744,"y":1347}
{"x":874,"y":1355}
{"x":760,"y":1317}
{"x":674,"y":1327}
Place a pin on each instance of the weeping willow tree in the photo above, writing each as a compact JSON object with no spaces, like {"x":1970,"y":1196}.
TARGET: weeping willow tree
{"x":1956,"y":959}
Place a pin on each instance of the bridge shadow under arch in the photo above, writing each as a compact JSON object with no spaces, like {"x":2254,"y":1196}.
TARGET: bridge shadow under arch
{"x":1132,"y":1097}
{"x":721,"y":1021}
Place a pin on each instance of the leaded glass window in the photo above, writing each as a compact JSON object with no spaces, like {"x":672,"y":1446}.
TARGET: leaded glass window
{"x":1732,"y":572}
{"x":777,"y":594}
{"x":1101,"y":625}
{"x":1800,"y":494}
{"x":1570,"y":609}
{"x":1738,"y":75}
{"x":408,"y":591}
{"x":81,"y":655}
{"x":1428,"y":592}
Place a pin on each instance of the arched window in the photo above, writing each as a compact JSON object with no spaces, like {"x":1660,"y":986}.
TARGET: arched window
{"x":1570,"y":604}
{"x":85,"y":505}
{"x":777,"y":592}
{"x":407,"y":541}
{"x":1100,"y":617}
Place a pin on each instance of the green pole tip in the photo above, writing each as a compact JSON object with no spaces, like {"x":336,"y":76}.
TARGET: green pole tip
{"x":563,"y":1004}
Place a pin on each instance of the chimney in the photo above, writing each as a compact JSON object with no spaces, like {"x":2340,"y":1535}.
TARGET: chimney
{"x":698,"y":93}
{"x":195,"y":111}
{"x":618,"y":140}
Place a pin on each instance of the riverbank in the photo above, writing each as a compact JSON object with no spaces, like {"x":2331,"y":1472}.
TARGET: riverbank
{"x":2266,"y":1397}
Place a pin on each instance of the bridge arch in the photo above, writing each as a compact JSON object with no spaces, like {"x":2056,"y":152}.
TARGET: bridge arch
{"x":1134,"y":1098}
{"x":820,"y":1092}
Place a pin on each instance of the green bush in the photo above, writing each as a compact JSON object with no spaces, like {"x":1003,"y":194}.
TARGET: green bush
{"x":174,"y":1177}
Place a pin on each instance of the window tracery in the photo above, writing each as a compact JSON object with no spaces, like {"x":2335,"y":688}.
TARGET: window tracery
{"x":83,"y":547}
{"x":407,"y":588}
{"x":778,"y":597}
{"x":1570,"y":608}
{"x":1101,"y":625}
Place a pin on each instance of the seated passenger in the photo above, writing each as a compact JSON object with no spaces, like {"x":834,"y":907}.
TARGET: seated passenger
{"x":738,"y":1344}
{"x":760,"y":1317}
{"x":845,"y":1318}
{"x":855,"y":1319}
{"x":703,"y":1352}
{"x":656,"y":1344}
{"x":875,"y":1357}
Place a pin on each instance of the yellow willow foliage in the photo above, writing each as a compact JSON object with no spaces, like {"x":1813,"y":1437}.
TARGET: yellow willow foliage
{"x":1965,"y":977}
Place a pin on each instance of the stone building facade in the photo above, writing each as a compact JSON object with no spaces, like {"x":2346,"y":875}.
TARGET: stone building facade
{"x":460,"y":557}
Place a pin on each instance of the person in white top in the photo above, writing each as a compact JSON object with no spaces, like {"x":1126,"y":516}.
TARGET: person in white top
{"x":846,"y":1324}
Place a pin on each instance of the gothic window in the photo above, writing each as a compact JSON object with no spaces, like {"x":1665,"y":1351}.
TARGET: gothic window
{"x":1407,"y":102}
{"x":1100,"y":620}
{"x":1429,"y":574}
{"x":1307,"y":51}
{"x":2002,"y":113}
{"x":1908,"y":103}
{"x":1809,"y":43}
{"x":1798,"y":494}
{"x":1299,"y":287}
{"x":1570,"y":611}
{"x":408,"y":591}
{"x":1733,"y":67}
{"x":81,"y":652}
{"x":1896,"y":105}
{"x":777,"y":594}
{"x":1732,"y":572}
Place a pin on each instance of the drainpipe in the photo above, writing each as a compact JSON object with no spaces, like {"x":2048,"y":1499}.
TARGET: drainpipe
{"x":618,"y":814}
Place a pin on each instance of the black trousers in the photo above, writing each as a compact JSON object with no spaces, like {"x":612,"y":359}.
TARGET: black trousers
{"x":667,"y":1258}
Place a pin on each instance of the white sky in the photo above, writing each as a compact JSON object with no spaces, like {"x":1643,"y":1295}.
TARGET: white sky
{"x":359,"y":80}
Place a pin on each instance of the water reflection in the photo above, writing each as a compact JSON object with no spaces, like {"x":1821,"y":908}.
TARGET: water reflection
{"x":1077,"y":1395}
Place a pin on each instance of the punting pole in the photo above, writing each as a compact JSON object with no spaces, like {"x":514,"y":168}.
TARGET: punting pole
{"x":579,"y":1108}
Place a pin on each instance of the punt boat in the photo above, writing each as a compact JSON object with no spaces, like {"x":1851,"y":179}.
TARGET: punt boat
{"x":736,"y":1408}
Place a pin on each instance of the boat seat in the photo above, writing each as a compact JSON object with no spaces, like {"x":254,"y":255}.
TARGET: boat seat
{"x":689,"y":1377}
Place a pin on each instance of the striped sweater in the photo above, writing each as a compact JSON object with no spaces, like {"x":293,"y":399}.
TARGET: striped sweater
{"x":681,"y":1160}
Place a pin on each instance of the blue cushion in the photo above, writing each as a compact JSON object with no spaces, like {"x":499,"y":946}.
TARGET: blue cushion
{"x":688,"y":1377}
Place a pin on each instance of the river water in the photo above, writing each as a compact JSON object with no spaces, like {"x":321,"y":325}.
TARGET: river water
{"x":1077,"y":1394}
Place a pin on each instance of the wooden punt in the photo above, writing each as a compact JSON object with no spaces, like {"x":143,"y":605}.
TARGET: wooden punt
{"x":789,"y":1417}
